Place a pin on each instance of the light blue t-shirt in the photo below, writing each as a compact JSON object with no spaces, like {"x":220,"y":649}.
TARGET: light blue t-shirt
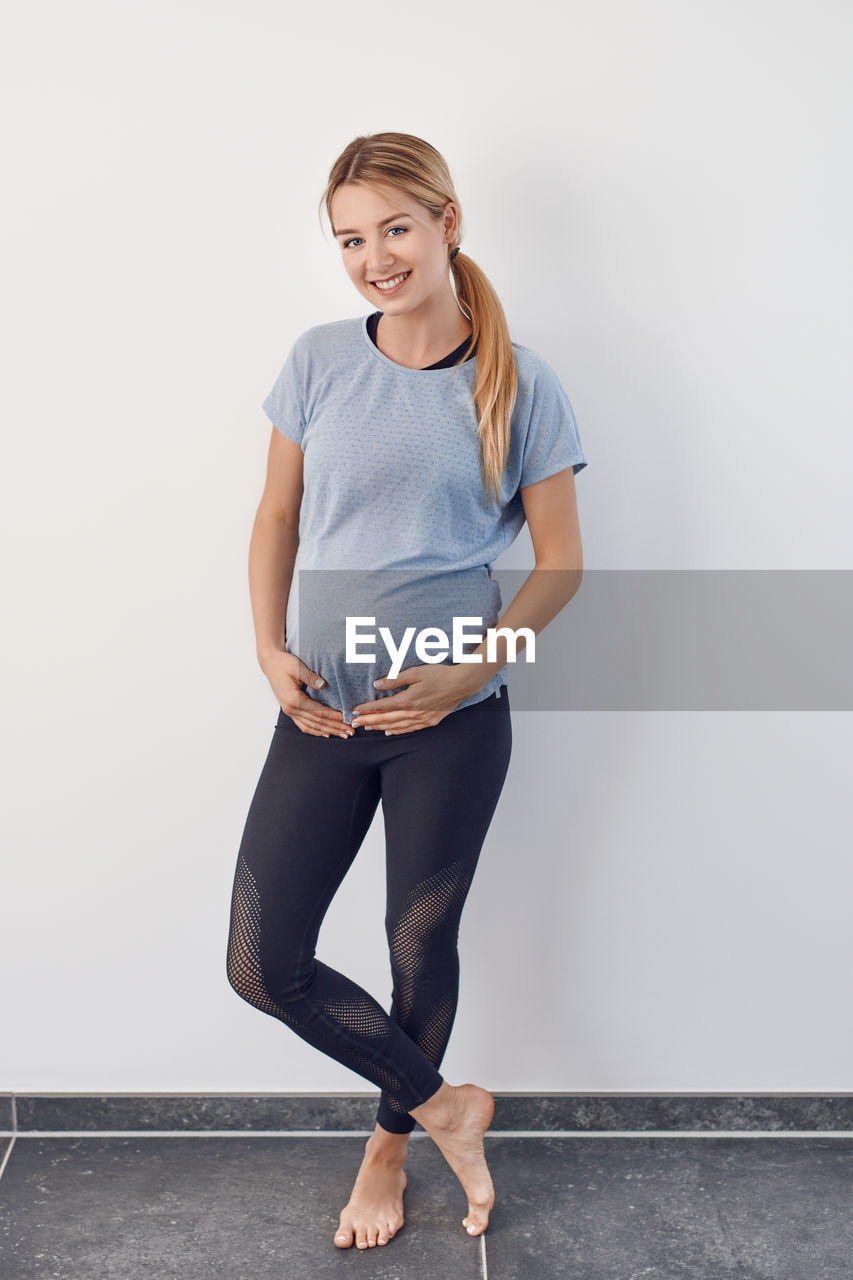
{"x":394,"y":499}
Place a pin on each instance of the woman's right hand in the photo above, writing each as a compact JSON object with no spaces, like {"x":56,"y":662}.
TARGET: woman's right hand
{"x":287,"y":674}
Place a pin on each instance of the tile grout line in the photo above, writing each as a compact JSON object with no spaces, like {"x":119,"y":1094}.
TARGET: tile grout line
{"x":361,"y":1133}
{"x":669,"y":1133}
{"x":7,"y":1155}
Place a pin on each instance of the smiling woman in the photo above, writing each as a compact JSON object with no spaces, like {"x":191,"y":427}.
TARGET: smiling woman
{"x":394,"y":246}
{"x":409,"y":445}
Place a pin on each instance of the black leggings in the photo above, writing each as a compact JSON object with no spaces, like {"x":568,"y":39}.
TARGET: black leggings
{"x":313,"y":805}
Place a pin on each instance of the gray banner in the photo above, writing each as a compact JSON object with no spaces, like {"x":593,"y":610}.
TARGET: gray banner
{"x":627,"y":640}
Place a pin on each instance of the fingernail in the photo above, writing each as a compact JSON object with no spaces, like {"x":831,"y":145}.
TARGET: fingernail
{"x":377,"y":684}
{"x":319,"y":682}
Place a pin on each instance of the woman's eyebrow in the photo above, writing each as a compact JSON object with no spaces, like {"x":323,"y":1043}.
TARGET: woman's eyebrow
{"x":394,"y":217}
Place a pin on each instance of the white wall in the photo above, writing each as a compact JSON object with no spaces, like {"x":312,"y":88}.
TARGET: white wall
{"x":661,"y":195}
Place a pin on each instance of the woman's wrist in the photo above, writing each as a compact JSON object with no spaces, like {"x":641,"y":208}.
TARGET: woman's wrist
{"x":469,"y":678}
{"x":268,"y":653}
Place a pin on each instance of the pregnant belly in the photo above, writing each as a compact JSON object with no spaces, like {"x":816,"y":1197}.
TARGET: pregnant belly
{"x":322,"y":600}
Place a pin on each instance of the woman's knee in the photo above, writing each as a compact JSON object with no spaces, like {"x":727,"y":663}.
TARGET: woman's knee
{"x":265,"y":985}
{"x":427,"y":956}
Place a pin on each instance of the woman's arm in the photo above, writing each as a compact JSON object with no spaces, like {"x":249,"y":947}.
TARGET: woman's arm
{"x":272,"y":555}
{"x":273,"y":545}
{"x":552,"y":516}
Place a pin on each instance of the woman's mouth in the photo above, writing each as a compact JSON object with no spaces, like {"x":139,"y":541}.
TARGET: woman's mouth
{"x":392,"y":285}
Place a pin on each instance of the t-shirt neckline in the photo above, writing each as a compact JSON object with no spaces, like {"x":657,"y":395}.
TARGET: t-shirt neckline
{"x":404,"y":368}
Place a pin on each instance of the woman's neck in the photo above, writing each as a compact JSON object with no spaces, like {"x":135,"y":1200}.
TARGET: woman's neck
{"x":418,"y":345}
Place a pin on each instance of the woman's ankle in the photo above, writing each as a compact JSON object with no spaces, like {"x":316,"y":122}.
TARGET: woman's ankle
{"x":437,"y":1110}
{"x":383,"y":1143}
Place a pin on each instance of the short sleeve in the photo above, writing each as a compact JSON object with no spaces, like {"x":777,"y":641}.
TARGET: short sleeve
{"x":284,"y":406}
{"x":552,"y":442}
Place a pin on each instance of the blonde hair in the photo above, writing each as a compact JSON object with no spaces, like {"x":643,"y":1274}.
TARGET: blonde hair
{"x":411,"y":165}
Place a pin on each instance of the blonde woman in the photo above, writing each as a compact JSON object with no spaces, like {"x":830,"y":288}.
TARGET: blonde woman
{"x":409,"y":446}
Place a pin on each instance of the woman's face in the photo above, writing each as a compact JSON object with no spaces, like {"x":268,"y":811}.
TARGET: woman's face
{"x":386,"y":233}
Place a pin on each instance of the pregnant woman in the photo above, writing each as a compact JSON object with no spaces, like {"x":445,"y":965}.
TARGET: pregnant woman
{"x":409,"y":446}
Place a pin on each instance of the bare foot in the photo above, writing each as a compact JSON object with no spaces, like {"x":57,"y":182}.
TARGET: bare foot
{"x":456,"y":1118}
{"x":375,"y":1210}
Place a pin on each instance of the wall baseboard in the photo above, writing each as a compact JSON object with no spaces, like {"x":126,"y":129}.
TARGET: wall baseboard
{"x":22,"y":1113}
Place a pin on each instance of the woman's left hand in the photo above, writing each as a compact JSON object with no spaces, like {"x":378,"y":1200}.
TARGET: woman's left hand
{"x":428,"y":694}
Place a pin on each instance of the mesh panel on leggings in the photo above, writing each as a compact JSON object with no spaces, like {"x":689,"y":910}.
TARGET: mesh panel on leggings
{"x":244,"y":945}
{"x":360,"y":1015}
{"x":245,"y":973}
{"x":425,"y":930}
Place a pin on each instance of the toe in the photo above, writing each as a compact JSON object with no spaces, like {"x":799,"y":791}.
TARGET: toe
{"x":361,"y":1238}
{"x":388,"y":1232}
{"x":343,"y":1238}
{"x":371,"y":1237}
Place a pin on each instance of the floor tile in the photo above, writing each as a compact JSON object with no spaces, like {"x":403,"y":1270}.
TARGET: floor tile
{"x":194,"y":1208}
{"x":671,"y":1208}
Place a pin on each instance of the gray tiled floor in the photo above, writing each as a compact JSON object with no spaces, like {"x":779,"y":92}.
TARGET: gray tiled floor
{"x":579,"y":1207}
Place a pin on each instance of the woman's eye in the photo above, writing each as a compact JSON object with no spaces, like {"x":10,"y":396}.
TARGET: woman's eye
{"x":347,"y":243}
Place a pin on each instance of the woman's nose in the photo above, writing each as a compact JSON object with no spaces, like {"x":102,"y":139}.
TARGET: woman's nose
{"x":377,"y":269}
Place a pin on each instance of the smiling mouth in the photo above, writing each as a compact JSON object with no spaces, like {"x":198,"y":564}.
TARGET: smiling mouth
{"x":393,"y":282}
